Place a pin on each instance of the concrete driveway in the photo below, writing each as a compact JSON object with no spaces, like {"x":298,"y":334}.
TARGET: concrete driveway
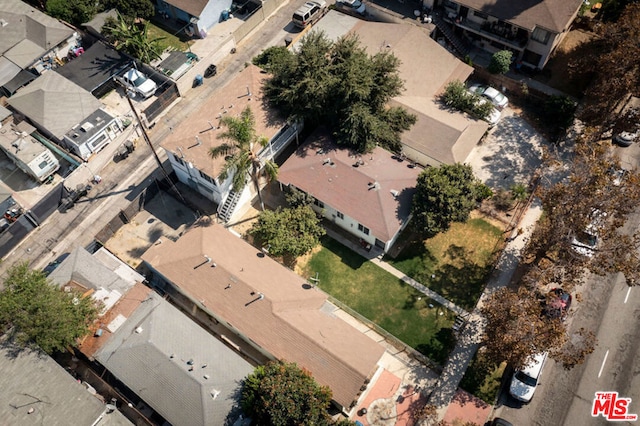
{"x":509,"y":154}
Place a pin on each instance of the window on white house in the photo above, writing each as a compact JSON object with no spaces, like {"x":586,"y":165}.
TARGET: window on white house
{"x":206,"y":177}
{"x":318,"y":203}
{"x":340,"y":215}
{"x":540,"y":35}
{"x":363,"y":229}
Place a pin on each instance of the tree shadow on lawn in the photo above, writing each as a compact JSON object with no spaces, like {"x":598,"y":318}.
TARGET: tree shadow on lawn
{"x":460,"y":280}
{"x":350,"y":258}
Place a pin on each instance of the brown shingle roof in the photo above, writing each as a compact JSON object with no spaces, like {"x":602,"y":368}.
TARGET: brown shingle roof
{"x":347,"y":188}
{"x":287,"y":322}
{"x":444,"y":135}
{"x":555,"y":15}
{"x":192,"y":7}
{"x":194,"y":137}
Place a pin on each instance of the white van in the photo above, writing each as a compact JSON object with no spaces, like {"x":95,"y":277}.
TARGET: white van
{"x":309,"y":13}
{"x":524,"y":382}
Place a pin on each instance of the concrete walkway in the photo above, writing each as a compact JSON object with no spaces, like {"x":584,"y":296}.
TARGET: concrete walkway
{"x":401,"y":275}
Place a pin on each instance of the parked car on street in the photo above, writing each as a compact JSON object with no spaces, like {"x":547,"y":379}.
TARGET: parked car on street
{"x":586,"y":241}
{"x":557,"y":303}
{"x":351,"y":6}
{"x":493,"y":95}
{"x":138,"y":83}
{"x":625,"y":138}
{"x":309,"y":13}
{"x":524,"y":382}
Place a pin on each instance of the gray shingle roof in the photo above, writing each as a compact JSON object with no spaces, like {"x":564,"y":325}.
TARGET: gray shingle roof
{"x":28,"y":33}
{"x":83,"y":268}
{"x":54,"y":103}
{"x":32,"y":380}
{"x":150,"y":352}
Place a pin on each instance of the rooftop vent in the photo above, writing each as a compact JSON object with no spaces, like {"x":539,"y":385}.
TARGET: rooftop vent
{"x":373,"y":185}
{"x":395,"y":193}
{"x":3,"y":23}
{"x":214,"y":393}
{"x":139,"y":330}
{"x":86,"y":127}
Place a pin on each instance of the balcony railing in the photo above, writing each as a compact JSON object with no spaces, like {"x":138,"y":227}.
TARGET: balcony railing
{"x":497,"y":31}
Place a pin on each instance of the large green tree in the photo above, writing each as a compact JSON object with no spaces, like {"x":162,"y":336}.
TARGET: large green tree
{"x":444,"y":195}
{"x":32,"y":310}
{"x":457,"y":96}
{"x":339,"y":85}
{"x":241,"y":152}
{"x":131,"y":8}
{"x":288,"y":232}
{"x":73,"y":11}
{"x":133,"y":38}
{"x":282,"y":394}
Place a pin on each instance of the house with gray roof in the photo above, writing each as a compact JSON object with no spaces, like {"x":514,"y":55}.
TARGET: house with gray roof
{"x":101,"y":275}
{"x":531,"y":29}
{"x":67,"y":114}
{"x":177,"y":368}
{"x":30,"y":42}
{"x":37,"y":391}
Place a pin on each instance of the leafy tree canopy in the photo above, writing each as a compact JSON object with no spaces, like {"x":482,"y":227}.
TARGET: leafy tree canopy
{"x":288,"y":232}
{"x":444,"y":195}
{"x":612,"y":61}
{"x":32,"y":310}
{"x":339,"y":85}
{"x":516,"y":329}
{"x":500,"y":62}
{"x":282,"y":394}
{"x":457,"y":96}
{"x":131,"y":8}
{"x":75,"y":12}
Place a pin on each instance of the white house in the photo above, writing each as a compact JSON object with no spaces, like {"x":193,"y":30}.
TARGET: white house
{"x":26,"y":152}
{"x":530,"y":29}
{"x":367,"y":195}
{"x":67,"y":114}
{"x":188,"y":144}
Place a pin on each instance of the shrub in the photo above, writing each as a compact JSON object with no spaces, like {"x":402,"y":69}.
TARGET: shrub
{"x":500,"y":62}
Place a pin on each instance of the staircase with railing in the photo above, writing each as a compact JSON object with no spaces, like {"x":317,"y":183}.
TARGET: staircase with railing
{"x":229,"y":206}
{"x":462,"y":46}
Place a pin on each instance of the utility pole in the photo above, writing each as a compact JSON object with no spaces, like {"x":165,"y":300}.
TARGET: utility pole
{"x":145,"y":136}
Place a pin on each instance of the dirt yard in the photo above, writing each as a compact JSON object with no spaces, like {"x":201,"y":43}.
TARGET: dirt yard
{"x":556,"y":72}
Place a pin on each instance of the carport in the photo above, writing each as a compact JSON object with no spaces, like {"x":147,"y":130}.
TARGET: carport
{"x":94,"y":69}
{"x":19,"y":80}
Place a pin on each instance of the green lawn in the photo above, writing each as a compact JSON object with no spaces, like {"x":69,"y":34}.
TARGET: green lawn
{"x":454,"y":264}
{"x":169,"y":40}
{"x":382,"y":298}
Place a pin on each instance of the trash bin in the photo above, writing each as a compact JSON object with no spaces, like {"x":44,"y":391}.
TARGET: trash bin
{"x":211,"y":71}
{"x":198,"y":80}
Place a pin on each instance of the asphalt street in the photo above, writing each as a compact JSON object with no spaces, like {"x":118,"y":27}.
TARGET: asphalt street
{"x":609,"y":307}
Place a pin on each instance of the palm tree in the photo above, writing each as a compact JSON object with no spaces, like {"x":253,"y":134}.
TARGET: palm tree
{"x":134,"y":39}
{"x":241,"y":158}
